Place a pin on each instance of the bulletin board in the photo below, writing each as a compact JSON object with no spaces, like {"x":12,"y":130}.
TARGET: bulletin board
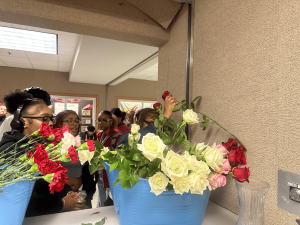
{"x":126,"y":104}
{"x":86,"y":106}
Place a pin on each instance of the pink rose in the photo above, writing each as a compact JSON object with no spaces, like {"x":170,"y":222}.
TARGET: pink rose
{"x":77,"y":141}
{"x":226,"y":167}
{"x":217,"y":180}
{"x":223,"y":149}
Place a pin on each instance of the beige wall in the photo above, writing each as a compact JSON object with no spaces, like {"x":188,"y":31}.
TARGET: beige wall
{"x":172,"y":60}
{"x":17,"y":78}
{"x":246,"y":68}
{"x":131,"y":88}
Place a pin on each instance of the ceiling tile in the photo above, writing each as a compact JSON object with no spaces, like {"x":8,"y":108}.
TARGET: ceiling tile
{"x":64,"y":64}
{"x":14,"y":53}
{"x":41,"y":67}
{"x":42,"y":56}
{"x":67,"y":41}
{"x":65,"y":58}
{"x":67,"y":33}
{"x":66,"y":51}
{"x":36,"y":62}
{"x":14,"y":59}
{"x":64,"y":69}
{"x":19,"y":65}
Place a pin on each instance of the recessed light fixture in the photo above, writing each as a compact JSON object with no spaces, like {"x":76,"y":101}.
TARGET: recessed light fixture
{"x":28,"y":40}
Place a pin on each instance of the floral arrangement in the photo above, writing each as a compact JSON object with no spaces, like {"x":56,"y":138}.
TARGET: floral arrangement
{"x":40,"y":157}
{"x":199,"y":167}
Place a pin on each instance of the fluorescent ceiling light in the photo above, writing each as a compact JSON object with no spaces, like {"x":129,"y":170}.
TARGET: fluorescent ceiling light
{"x":27,"y":40}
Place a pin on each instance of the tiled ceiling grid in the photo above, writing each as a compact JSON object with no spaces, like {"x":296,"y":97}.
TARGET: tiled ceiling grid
{"x":151,"y":73}
{"x":67,"y":44}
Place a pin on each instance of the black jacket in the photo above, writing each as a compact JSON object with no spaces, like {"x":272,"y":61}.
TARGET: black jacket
{"x":42,"y":201}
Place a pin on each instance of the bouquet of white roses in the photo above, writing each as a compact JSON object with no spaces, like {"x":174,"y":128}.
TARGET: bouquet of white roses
{"x":199,"y":167}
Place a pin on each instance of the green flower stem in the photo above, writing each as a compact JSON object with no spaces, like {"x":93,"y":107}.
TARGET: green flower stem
{"x":221,"y":127}
{"x":184,"y":122}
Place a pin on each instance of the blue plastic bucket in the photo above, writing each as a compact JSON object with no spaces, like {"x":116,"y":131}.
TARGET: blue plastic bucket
{"x":14,"y":201}
{"x":138,"y":206}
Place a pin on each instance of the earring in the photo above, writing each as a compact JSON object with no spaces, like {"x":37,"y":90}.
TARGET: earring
{"x":25,"y":127}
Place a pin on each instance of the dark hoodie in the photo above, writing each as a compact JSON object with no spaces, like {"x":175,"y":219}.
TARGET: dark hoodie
{"x":42,"y":202}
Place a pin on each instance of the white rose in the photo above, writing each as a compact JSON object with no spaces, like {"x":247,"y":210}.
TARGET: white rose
{"x":200,"y":146}
{"x":213,"y":157}
{"x":181,"y":184}
{"x":203,"y":168}
{"x":152,"y":146}
{"x":136,"y":137}
{"x":135,"y":128}
{"x":85,"y":155}
{"x":174,"y":165}
{"x":190,"y":117}
{"x":198,"y":181}
{"x":158,"y":183}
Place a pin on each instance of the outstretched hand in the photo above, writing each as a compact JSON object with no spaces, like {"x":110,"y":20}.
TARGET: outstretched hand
{"x":170,"y":103}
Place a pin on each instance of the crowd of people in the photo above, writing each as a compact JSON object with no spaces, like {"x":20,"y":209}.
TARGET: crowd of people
{"x":29,"y":108}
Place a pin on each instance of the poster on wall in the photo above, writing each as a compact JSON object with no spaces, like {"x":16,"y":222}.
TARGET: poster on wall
{"x":58,"y":107}
{"x":86,"y":120}
{"x":83,"y":129}
{"x":73,"y":106}
{"x":128,"y":105}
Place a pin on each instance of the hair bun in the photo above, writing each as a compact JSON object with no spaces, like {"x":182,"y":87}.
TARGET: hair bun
{"x":15,"y":99}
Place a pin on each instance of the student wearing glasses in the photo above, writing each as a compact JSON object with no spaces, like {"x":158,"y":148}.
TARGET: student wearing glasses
{"x":29,"y":114}
{"x":109,"y":138}
{"x":78,"y":175}
{"x":37,"y":94}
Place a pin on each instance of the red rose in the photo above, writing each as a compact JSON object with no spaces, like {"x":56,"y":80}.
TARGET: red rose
{"x":165,"y":94}
{"x":59,"y":179}
{"x":231,"y":143}
{"x":157,"y":106}
{"x":58,"y":134}
{"x":29,"y":154}
{"x":45,"y":130}
{"x":237,"y":157}
{"x":241,"y":174}
{"x":47,"y":166}
{"x":91,"y":145}
{"x":72,"y":154}
{"x":40,"y":153}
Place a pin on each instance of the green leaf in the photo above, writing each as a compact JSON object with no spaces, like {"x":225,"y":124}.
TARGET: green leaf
{"x":170,"y":187}
{"x":113,"y":166}
{"x":202,"y":124}
{"x":123,"y":175}
{"x":117,"y":181}
{"x":108,"y":155}
{"x":134,"y":179}
{"x":171,"y":122}
{"x":183,"y":101}
{"x":156,"y":123}
{"x":102,"y":222}
{"x":185,"y":144}
{"x":206,"y":121}
{"x":154,"y":164}
{"x":192,"y":105}
{"x":161,"y":117}
{"x":165,"y":152}
{"x":86,"y":224}
{"x":137,"y":157}
{"x":176,"y":108}
{"x":196,"y":98}
{"x":180,"y":137}
{"x":126,"y":166}
{"x":154,"y":117}
{"x":204,"y":117}
{"x":143,"y":172}
{"x":126,"y":184}
{"x":164,"y":136}
{"x":169,"y":141}
{"x":178,"y":124}
{"x":93,"y":168}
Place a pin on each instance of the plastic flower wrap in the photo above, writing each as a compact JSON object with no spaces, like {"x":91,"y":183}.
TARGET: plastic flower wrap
{"x":40,"y":158}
